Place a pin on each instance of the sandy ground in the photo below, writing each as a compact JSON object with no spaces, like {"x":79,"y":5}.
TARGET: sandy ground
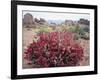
{"x":28,"y":35}
{"x":85,"y":45}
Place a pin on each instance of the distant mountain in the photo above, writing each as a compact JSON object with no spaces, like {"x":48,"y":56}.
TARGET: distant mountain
{"x":55,"y":21}
{"x":31,"y":21}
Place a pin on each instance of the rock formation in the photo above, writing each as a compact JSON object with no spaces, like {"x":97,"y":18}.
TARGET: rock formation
{"x":28,"y":20}
{"x":84,"y":21}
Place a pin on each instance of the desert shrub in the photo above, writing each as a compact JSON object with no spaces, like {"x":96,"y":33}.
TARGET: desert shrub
{"x":64,"y":28}
{"x":45,"y":29}
{"x":72,"y":29}
{"x":54,"y":49}
{"x":85,"y":36}
{"x":86,"y":29}
{"x":80,"y":32}
{"x":77,"y":36}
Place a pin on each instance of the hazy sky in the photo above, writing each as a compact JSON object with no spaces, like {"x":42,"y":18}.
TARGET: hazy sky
{"x":58,"y":16}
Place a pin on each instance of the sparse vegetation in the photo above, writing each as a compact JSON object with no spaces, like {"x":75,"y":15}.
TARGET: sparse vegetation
{"x":45,"y":29}
{"x":53,"y":45}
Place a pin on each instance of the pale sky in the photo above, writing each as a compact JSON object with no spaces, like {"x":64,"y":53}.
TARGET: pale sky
{"x":58,"y":16}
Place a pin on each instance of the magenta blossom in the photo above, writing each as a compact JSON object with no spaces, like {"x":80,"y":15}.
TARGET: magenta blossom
{"x":55,"y":49}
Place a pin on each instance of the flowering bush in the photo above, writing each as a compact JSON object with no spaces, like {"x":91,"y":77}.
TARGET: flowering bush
{"x":55,"y":49}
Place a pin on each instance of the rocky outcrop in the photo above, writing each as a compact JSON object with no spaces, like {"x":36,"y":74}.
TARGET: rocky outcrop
{"x":84,"y":21}
{"x":70,"y":22}
{"x":42,"y":21}
{"x":36,"y":20}
{"x":30,"y":21}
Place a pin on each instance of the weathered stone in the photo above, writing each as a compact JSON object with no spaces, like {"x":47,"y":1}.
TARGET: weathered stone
{"x":28,"y":20}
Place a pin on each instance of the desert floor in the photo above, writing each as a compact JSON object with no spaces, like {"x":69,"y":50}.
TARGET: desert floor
{"x":27,"y":39}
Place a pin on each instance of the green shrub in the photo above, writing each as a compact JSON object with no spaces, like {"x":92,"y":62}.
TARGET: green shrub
{"x":80,"y":32}
{"x":77,"y":36}
{"x":86,"y":29}
{"x":45,"y":29}
{"x":77,"y":29}
{"x":85,"y":36}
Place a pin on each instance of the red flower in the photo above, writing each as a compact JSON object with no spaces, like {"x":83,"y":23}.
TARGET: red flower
{"x":55,"y":49}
